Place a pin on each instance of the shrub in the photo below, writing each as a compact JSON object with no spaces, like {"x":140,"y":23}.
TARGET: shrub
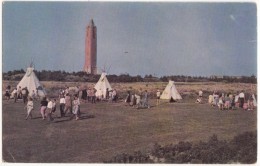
{"x":242,"y":149}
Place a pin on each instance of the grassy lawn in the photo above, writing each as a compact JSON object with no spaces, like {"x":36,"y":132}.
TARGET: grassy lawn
{"x":107,"y":129}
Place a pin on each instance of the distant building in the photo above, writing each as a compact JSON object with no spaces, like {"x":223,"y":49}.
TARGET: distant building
{"x":91,"y":49}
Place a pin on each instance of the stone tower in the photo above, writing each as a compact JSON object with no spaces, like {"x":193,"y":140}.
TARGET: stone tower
{"x":91,"y":49}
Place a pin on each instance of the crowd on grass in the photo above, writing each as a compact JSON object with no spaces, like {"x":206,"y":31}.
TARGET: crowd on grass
{"x":230,"y":101}
{"x":70,"y":100}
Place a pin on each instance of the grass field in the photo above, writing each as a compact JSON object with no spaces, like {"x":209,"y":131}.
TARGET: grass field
{"x":107,"y":129}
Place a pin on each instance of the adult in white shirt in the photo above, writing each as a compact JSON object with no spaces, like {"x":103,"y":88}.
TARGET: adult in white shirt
{"x":14,"y":94}
{"x":241,"y":99}
{"x":158,"y":94}
{"x":49,"y":110}
{"x":200,"y":93}
{"x":114,"y":95}
{"x":200,"y":96}
{"x":62,"y":106}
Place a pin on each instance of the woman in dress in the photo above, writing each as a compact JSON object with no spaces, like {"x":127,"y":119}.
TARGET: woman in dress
{"x":29,"y":107}
{"x":76,"y":105}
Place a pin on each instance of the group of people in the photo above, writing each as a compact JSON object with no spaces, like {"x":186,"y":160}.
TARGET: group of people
{"x":48,"y":107}
{"x":90,"y":95}
{"x":70,"y":102}
{"x":19,"y":93}
{"x":138,"y":101}
{"x":231,"y":101}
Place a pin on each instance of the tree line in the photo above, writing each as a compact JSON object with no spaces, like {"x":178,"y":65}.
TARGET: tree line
{"x":47,"y":75}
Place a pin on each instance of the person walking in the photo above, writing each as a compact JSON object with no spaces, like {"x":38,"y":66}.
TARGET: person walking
{"x":25,"y":94}
{"x":19,"y":92}
{"x":62,"y":105}
{"x":138,"y":101}
{"x":29,"y":107}
{"x":93,"y":96}
{"x":114,"y":95}
{"x":43,"y":108}
{"x":200,"y":95}
{"x":67,"y":104}
{"x":241,"y":99}
{"x":145,"y":100}
{"x":49,"y":109}
{"x":107,"y":93}
{"x":76,"y":107}
{"x":158,"y":94}
{"x":14,"y":94}
{"x":84,"y":95}
{"x":7,"y":92}
{"x":128,"y":98}
{"x":33,"y":95}
{"x":54,"y":104}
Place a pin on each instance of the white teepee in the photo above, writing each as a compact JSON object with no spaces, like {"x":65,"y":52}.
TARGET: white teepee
{"x":32,"y":83}
{"x":171,"y":92}
{"x":102,"y":85}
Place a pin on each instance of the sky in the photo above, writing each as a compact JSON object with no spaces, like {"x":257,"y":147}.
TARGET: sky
{"x":160,"y":38}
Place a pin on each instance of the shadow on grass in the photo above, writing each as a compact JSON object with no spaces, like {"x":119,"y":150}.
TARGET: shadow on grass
{"x":86,"y":117}
{"x":71,"y":117}
{"x":39,"y":117}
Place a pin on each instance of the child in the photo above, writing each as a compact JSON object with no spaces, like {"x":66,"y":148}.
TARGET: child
{"x":29,"y":108}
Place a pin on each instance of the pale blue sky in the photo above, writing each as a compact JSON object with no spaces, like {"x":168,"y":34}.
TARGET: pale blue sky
{"x":198,"y":39}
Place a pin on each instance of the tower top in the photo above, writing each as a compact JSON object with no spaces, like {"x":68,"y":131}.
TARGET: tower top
{"x":91,"y":23}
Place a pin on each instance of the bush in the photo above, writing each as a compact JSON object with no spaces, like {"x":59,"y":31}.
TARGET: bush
{"x":242,"y":149}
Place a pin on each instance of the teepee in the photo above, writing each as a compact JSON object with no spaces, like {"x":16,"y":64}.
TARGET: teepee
{"x":171,"y":92}
{"x":102,"y":85}
{"x":30,"y":81}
